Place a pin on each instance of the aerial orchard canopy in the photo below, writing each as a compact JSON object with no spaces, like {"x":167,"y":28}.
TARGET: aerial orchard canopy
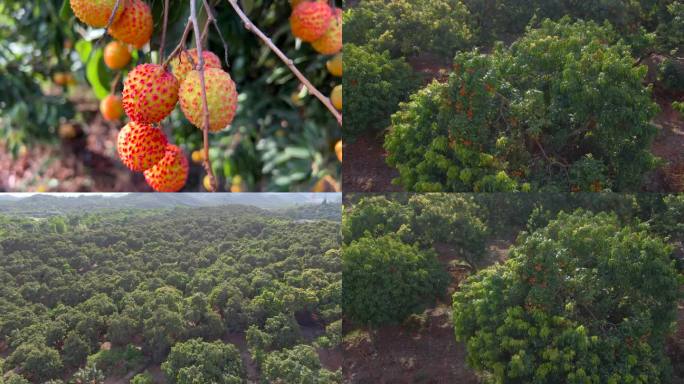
{"x":564,"y":107}
{"x":586,"y":299}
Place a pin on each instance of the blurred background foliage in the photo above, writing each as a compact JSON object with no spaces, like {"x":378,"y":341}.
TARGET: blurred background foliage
{"x":282,"y":138}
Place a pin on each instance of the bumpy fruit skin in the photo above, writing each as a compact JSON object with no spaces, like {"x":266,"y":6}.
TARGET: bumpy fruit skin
{"x":221,"y":98}
{"x":135,"y":24}
{"x":334,"y":65}
{"x":150,"y":93}
{"x":96,"y":12}
{"x":336,"y":97}
{"x":116,"y":55}
{"x":111,"y":108}
{"x":310,"y":20}
{"x":338,"y":150}
{"x":181,"y":65}
{"x":171,"y":173}
{"x":140,"y":146}
{"x":331,"y":41}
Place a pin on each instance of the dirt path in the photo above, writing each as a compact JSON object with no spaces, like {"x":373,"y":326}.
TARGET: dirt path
{"x":365,"y":169}
{"x":669,"y":145}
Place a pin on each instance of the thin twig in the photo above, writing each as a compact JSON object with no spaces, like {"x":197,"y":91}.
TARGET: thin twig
{"x":212,"y":17}
{"x":115,"y":82}
{"x":181,"y":44}
{"x":290,"y":64}
{"x":205,"y":104}
{"x":163,"y":36}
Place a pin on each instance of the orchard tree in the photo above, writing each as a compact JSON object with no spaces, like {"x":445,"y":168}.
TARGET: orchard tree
{"x":584,"y":299}
{"x":563,"y":108}
{"x":36,"y":362}
{"x":75,"y":350}
{"x":408,"y":28}
{"x":375,"y":84}
{"x":216,"y":362}
{"x":297,"y":365}
{"x":88,"y":375}
{"x":386,"y":280}
{"x":374,"y":216}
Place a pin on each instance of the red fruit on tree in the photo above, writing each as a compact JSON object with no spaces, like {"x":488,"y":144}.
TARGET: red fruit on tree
{"x":150,"y":93}
{"x":331,"y":41}
{"x":310,"y":20}
{"x":182,"y":64}
{"x":111,"y":108}
{"x":135,"y":24}
{"x":140,"y":146}
{"x":221,"y":98}
{"x":171,"y":173}
{"x":116,"y":55}
{"x":96,"y":13}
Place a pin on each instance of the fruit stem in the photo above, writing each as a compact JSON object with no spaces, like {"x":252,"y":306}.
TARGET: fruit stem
{"x":205,"y":104}
{"x":181,"y":44}
{"x":162,"y":42}
{"x":290,"y":64}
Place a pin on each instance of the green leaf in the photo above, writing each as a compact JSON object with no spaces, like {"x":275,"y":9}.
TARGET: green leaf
{"x":65,"y":13}
{"x":97,"y":74}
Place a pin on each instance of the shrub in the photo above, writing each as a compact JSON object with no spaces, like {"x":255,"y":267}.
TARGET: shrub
{"x":584,"y":299}
{"x":297,"y":365}
{"x":386,"y":280}
{"x":374,"y":84}
{"x":407,"y":28}
{"x":198,"y":361}
{"x":562,"y":109}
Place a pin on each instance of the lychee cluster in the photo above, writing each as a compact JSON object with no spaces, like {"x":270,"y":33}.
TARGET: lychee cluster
{"x":150,"y":93}
{"x":132,"y":22}
{"x":317,"y":23}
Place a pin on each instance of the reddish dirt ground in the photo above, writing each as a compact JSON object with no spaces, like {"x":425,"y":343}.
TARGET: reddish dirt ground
{"x":668,"y":145}
{"x":364,"y":168}
{"x":430,"y":355}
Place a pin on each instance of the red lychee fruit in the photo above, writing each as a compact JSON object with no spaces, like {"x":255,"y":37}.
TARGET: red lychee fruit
{"x":96,"y":12}
{"x":331,"y":41}
{"x":150,"y":93}
{"x":171,"y":173}
{"x":221,"y":98}
{"x":135,"y":24}
{"x":140,"y":146}
{"x":310,"y":20}
{"x":181,"y":64}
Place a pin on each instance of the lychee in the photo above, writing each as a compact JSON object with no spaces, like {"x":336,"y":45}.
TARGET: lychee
{"x":221,"y":98}
{"x":111,"y":108}
{"x":182,"y":64}
{"x":310,"y":20}
{"x":135,"y":25}
{"x":116,"y":55}
{"x":140,"y":146}
{"x":170,"y":174}
{"x":334,"y":65}
{"x":331,"y":41}
{"x":336,"y":97}
{"x":96,"y":13}
{"x":150,"y":93}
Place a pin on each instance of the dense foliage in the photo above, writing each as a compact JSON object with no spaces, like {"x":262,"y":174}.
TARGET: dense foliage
{"x":390,"y":267}
{"x":563,"y":108}
{"x":407,"y":28}
{"x":374,"y":85}
{"x":571,"y":305}
{"x":150,"y":282}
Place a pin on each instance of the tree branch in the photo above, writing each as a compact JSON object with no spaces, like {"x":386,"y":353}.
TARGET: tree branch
{"x":163,"y":36}
{"x":203,"y":88}
{"x":290,"y":64}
